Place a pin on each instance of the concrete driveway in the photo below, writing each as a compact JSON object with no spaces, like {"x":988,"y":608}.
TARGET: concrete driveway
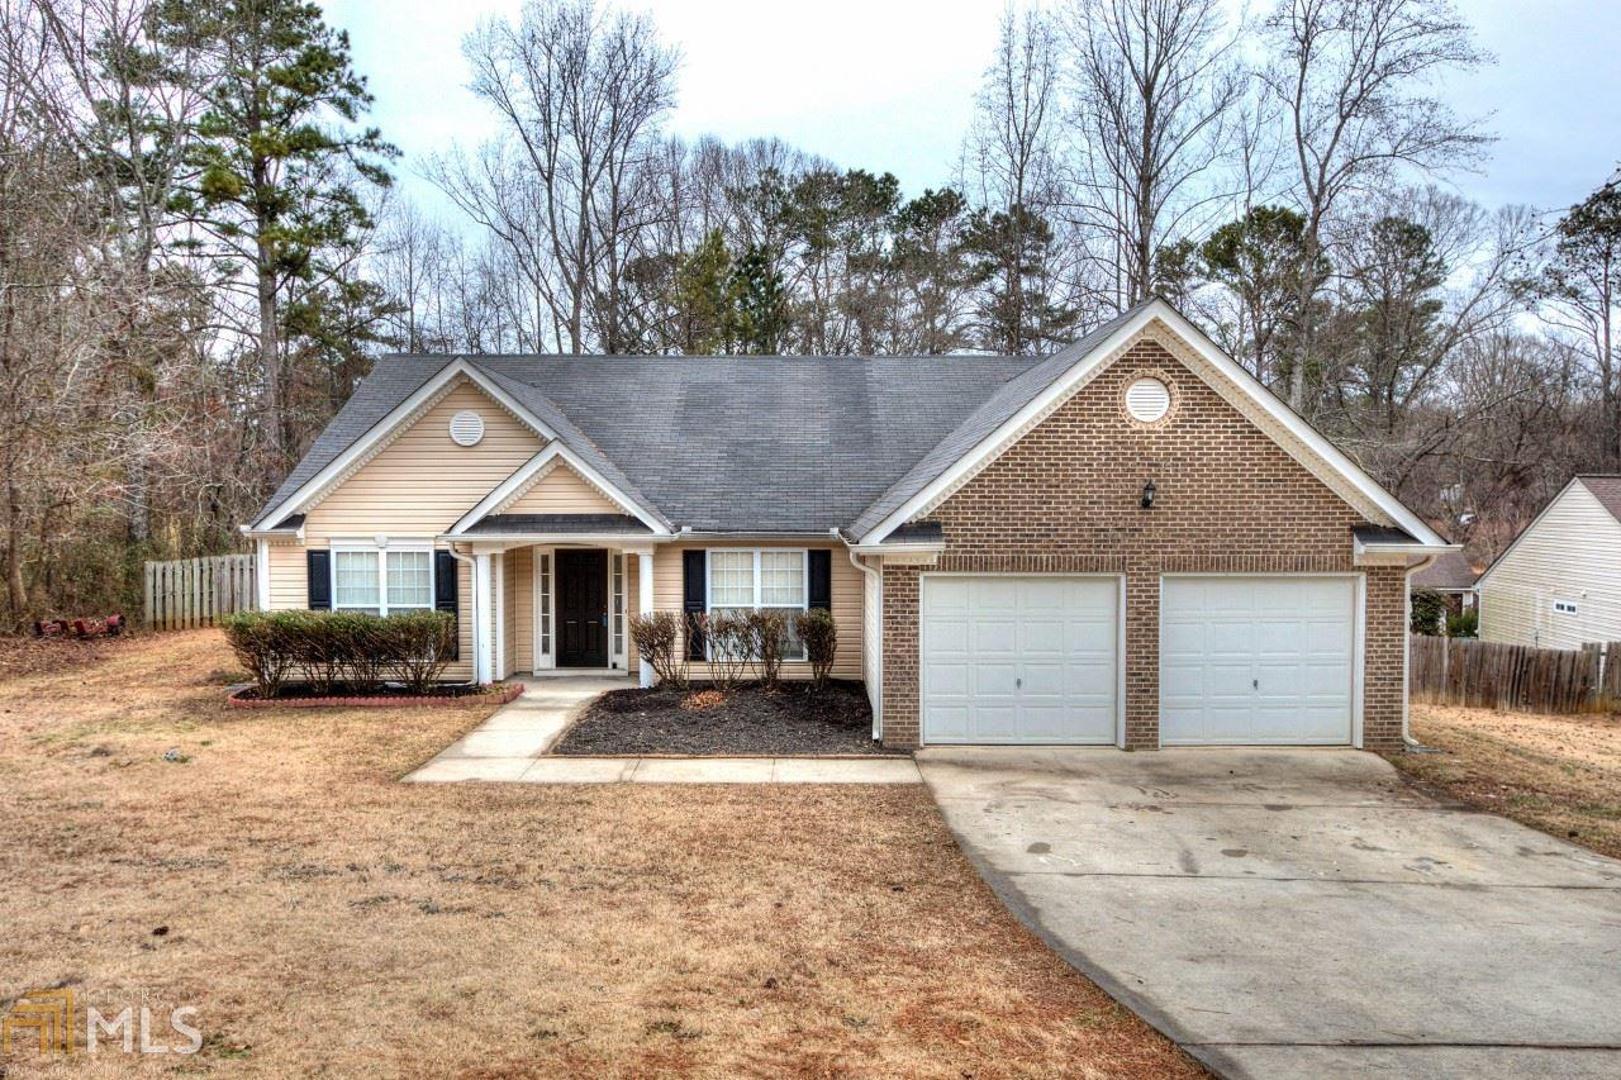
{"x":1288,"y":913}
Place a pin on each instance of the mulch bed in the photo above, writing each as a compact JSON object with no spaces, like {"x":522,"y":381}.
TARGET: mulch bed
{"x":303,"y":697}
{"x":793,"y":719}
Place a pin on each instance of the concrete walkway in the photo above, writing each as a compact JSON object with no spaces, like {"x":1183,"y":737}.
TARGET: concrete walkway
{"x":1301,"y":913}
{"x":512,"y":747}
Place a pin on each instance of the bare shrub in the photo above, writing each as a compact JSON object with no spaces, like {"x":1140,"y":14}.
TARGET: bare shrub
{"x":820,"y":635}
{"x":658,"y":638}
{"x":768,"y":627}
{"x":731,"y":645}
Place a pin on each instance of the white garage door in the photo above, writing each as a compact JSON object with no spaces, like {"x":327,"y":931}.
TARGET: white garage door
{"x":1256,"y":660}
{"x":1019,"y":659}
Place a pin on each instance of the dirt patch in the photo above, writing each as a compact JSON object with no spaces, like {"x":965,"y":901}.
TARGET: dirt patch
{"x":313,"y":909}
{"x":1560,"y":774}
{"x":792,"y":719}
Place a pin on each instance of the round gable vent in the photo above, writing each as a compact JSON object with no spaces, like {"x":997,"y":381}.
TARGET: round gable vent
{"x":466,"y":428}
{"x":1148,"y":399}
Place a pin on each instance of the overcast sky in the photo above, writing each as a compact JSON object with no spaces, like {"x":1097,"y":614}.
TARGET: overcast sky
{"x":889,"y":84}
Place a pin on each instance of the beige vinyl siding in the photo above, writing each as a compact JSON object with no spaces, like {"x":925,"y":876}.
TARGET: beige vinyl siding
{"x":289,"y":585}
{"x":521,"y":616}
{"x":508,"y":610}
{"x":416,"y":487}
{"x":847,"y":602}
{"x":562,"y":491}
{"x":423,"y":481}
{"x":1572,"y":552}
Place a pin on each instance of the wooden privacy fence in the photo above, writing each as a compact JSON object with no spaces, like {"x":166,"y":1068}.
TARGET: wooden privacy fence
{"x":183,"y":593}
{"x":1483,"y":674}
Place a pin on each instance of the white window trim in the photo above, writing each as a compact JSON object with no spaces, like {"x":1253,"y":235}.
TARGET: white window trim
{"x":804,"y":601}
{"x":542,"y":572}
{"x":1565,"y":607}
{"x":380,"y":550}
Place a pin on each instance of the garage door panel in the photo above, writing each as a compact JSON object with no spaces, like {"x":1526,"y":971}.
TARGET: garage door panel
{"x":1034,"y":659}
{"x":1256,"y":660}
{"x":1041,"y":636}
{"x":995,"y":637}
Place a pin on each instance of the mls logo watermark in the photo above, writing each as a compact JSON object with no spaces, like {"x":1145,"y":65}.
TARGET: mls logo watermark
{"x":48,"y":1020}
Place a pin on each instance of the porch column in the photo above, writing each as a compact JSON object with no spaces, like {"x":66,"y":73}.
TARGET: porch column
{"x":644,"y":604}
{"x":483,"y":619}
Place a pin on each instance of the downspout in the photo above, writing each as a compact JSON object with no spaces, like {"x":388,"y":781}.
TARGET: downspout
{"x":877,"y":577}
{"x":472,"y":601}
{"x":1413,"y":745}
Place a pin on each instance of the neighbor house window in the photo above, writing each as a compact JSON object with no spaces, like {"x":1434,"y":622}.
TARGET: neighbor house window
{"x":382,"y":580}
{"x":745,"y":580}
{"x":1565,"y":607}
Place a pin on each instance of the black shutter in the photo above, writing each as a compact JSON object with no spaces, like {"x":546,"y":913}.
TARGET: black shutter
{"x":821,"y":579}
{"x":694,"y":596}
{"x":444,"y":592}
{"x":318,"y":568}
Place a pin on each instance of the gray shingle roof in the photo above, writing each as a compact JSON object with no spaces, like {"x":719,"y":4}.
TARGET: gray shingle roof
{"x":770,"y":444}
{"x":1450,"y":570}
{"x":742,"y":444}
{"x":1606,"y":489}
{"x":557,"y":524}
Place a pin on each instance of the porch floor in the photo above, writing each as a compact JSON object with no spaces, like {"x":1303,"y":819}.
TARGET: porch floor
{"x":511,"y":747}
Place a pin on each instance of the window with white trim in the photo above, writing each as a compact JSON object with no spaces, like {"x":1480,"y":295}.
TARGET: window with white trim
{"x":618,"y":563}
{"x":1565,"y":607}
{"x":744,"y":579}
{"x":381,"y":580}
{"x":545,"y":603}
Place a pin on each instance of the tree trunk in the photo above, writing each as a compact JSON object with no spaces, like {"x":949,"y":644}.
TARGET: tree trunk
{"x":270,"y":357}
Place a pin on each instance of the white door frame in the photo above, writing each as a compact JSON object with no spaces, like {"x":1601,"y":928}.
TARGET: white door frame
{"x":1119,"y":644}
{"x":1359,"y":616}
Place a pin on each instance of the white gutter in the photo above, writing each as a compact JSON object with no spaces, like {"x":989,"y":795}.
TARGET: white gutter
{"x":874,"y":574}
{"x":472,"y":600}
{"x":1407,"y":648}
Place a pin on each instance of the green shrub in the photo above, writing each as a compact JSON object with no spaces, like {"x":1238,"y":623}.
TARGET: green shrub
{"x":820,"y":636}
{"x":256,"y":639}
{"x":352,"y":648}
{"x":1465,"y":624}
{"x":1428,"y":608}
{"x":421,"y":645}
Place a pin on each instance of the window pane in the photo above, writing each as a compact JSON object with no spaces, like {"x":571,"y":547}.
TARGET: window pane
{"x":355,"y":579}
{"x":731,"y":579}
{"x":410,"y":579}
{"x":782,"y":578}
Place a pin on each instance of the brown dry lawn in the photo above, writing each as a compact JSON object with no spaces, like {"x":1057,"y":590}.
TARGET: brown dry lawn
{"x":1560,"y":774}
{"x":325,"y":918}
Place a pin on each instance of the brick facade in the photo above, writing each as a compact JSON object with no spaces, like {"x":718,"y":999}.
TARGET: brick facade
{"x":1065,"y":498}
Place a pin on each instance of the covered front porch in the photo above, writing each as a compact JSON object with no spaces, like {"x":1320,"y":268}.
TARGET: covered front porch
{"x":553,"y":594}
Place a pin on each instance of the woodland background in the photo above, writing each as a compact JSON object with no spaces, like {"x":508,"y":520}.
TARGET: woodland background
{"x":201,"y":251}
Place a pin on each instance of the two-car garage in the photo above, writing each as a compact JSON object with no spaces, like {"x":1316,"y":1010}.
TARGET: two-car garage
{"x":1039,"y":659}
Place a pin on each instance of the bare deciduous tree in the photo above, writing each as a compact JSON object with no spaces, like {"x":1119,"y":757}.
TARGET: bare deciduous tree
{"x":1351,"y":79}
{"x":1154,"y":88}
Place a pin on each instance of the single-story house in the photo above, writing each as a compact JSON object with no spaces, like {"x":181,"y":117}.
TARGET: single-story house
{"x":1130,"y":542}
{"x":1558,"y":585}
{"x":1453,"y":576}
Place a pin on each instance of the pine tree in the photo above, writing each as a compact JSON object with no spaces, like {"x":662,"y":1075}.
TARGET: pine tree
{"x":274,"y":182}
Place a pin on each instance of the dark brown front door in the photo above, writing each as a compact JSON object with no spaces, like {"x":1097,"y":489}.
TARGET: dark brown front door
{"x":582,"y":609}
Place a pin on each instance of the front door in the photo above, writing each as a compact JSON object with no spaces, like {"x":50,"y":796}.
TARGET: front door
{"x":582,"y":608}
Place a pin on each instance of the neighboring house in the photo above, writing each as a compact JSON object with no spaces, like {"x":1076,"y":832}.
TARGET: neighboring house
{"x":1128,"y":543}
{"x":1558,"y":585}
{"x":1453,"y":577}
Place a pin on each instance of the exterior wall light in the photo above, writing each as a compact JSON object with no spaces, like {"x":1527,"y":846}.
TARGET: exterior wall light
{"x":1148,"y":495}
